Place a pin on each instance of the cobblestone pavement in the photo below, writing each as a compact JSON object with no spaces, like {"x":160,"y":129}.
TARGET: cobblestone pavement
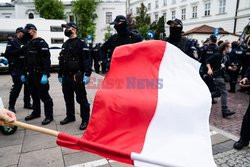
{"x":237,"y":102}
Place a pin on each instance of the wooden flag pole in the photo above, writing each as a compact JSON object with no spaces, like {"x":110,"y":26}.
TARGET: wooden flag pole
{"x":34,"y":128}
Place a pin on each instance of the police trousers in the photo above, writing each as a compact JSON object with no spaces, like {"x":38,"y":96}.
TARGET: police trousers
{"x":40,"y":92}
{"x":221,"y":85}
{"x":15,"y":91}
{"x":69,"y":88}
{"x":245,"y":127}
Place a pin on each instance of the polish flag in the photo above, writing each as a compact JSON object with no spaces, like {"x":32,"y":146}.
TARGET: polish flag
{"x":156,"y":115}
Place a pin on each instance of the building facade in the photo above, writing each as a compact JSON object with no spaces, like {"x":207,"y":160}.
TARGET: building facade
{"x":106,"y":12}
{"x":231,"y":15}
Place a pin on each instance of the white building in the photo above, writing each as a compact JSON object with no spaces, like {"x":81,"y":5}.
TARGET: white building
{"x":106,"y":12}
{"x":195,"y":13}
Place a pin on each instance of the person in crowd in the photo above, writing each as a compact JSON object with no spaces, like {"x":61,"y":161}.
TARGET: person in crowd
{"x":245,"y":127}
{"x":15,"y":55}
{"x":36,"y":73}
{"x":74,"y":73}
{"x":235,"y":57}
{"x":216,"y":65}
{"x":122,"y":37}
{"x":176,"y":38}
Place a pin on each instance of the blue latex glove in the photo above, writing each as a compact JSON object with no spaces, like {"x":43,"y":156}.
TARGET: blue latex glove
{"x":60,"y":79}
{"x":23,"y":78}
{"x":4,"y":60}
{"x":44,"y":79}
{"x":86,"y":80}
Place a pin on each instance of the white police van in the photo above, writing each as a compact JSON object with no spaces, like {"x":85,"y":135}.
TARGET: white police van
{"x":50,"y":30}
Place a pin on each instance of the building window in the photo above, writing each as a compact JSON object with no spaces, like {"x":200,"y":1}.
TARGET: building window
{"x":165,"y":17}
{"x":156,"y":16}
{"x":156,"y":4}
{"x":222,"y":7}
{"x":183,"y":14}
{"x":207,"y":9}
{"x":56,"y":29}
{"x":57,"y":40}
{"x":71,"y":18}
{"x":31,"y":16}
{"x":173,"y":2}
{"x":108,"y":17}
{"x":165,"y":2}
{"x":149,"y":6}
{"x":194,"y":12}
{"x":173,"y":14}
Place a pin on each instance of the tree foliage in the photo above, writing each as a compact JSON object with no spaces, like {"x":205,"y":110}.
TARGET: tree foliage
{"x":160,"y":29}
{"x":50,"y":9}
{"x":142,"y":20}
{"x":84,"y":11}
{"x":108,"y":33}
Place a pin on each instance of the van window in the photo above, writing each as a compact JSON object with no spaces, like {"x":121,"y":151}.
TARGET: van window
{"x":56,"y":29}
{"x":5,"y":35}
{"x":57,"y":40}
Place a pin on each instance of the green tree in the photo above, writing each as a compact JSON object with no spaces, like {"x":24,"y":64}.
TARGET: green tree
{"x":50,"y":9}
{"x":84,"y":11}
{"x":142,"y":20}
{"x":160,"y":29}
{"x":108,"y":33}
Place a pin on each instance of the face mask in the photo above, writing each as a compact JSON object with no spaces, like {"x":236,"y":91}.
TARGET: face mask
{"x":121,"y":28}
{"x":175,"y":32}
{"x":68,"y":33}
{"x":27,"y":37}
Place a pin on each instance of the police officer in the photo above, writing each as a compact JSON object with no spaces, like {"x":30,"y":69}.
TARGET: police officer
{"x":245,"y":127}
{"x":15,"y":54}
{"x":207,"y":52}
{"x":236,"y":55}
{"x":74,"y":73}
{"x":216,"y":65}
{"x":37,"y":65}
{"x":96,"y":56}
{"x":176,"y":38}
{"x":122,"y":37}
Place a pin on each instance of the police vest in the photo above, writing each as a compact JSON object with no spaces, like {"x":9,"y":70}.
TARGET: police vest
{"x":33,"y":56}
{"x":71,"y":56}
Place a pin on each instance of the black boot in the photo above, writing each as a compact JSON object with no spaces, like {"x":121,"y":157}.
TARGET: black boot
{"x":67,"y":120}
{"x":226,"y":112}
{"x":240,"y":144}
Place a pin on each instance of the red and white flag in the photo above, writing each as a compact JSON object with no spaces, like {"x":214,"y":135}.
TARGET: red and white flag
{"x":153,"y":110}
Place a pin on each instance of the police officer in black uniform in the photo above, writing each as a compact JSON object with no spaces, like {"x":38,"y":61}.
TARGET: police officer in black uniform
{"x":207,"y":52}
{"x":235,"y":57}
{"x":178,"y":40}
{"x":122,"y":37}
{"x":74,"y":73}
{"x":216,"y":65}
{"x":15,"y":55}
{"x":37,"y":65}
{"x":245,"y":127}
{"x":96,"y":57}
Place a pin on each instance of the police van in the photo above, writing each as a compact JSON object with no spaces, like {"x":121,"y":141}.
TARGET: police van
{"x":50,"y":30}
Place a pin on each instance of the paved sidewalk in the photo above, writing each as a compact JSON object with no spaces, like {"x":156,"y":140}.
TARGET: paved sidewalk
{"x":30,"y":149}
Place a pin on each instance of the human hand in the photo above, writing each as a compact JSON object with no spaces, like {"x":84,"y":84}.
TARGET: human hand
{"x":6,"y":116}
